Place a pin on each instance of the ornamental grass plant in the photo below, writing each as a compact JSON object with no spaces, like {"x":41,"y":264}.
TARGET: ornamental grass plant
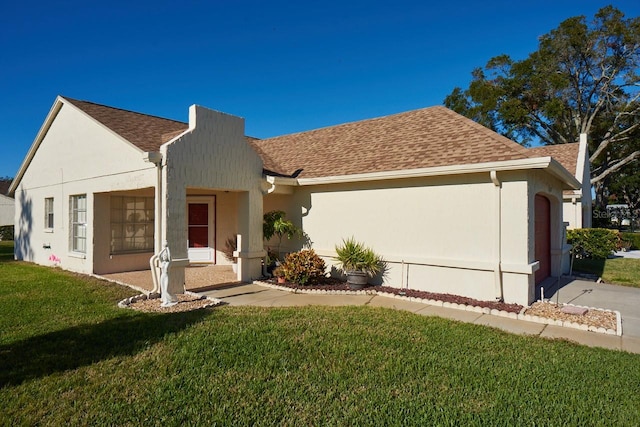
{"x":355,"y":256}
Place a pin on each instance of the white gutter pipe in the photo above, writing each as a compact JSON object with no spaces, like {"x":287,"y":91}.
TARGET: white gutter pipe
{"x":156,"y":158}
{"x":497,"y":246}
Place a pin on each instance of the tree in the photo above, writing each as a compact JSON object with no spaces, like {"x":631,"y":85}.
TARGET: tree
{"x":6,"y":231}
{"x":582,"y":79}
{"x":626,"y":190}
{"x":275,"y":224}
{"x":5,"y":183}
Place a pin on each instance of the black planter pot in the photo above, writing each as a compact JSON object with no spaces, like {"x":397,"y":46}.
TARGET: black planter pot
{"x":271,"y":267}
{"x":357,"y":279}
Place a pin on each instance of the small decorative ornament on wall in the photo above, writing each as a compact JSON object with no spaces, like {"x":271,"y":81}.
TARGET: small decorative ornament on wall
{"x":54,"y":258}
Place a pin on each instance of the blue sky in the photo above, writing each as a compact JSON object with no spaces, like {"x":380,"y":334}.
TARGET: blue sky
{"x":283,"y":66}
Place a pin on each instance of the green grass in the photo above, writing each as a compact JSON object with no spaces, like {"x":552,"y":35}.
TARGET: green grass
{"x":620,"y":271}
{"x":6,"y":250}
{"x":68,"y":355}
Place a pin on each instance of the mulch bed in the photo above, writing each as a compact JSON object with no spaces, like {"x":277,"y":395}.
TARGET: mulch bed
{"x":333,"y":284}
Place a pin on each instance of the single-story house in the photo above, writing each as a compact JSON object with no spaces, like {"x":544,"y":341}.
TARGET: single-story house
{"x":577,"y":203}
{"x":7,"y":208}
{"x":451,"y":206}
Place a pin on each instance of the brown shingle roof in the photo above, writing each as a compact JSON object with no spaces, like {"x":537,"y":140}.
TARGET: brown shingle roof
{"x":428,"y":137}
{"x":566,"y":154}
{"x":144,"y":131}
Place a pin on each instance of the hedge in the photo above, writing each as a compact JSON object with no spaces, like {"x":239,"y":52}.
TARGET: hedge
{"x":596,"y":243}
{"x":634,"y":238}
{"x":6,"y":232}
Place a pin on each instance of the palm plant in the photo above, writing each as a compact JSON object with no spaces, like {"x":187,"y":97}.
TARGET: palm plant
{"x":353,"y":256}
{"x":275,"y":224}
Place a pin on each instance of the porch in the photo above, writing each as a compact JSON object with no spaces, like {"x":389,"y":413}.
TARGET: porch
{"x":198,"y":277}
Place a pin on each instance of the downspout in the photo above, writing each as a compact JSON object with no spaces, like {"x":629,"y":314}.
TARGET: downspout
{"x":497,"y":245}
{"x":156,"y":158}
{"x":271,"y":182}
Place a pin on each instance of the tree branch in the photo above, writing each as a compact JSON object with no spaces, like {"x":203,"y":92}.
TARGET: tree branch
{"x":631,"y":157}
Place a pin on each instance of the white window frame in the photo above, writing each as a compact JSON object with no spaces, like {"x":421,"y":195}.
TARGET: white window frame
{"x":49,"y":217}
{"x":132,"y":220}
{"x":78,"y":223}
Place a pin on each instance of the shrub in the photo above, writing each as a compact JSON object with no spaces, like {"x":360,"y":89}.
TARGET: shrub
{"x":355,"y":256}
{"x":633,"y":238}
{"x":303,"y":268}
{"x":592,"y":242}
{"x":6,"y":232}
{"x":278,"y":271}
{"x":230,"y":246}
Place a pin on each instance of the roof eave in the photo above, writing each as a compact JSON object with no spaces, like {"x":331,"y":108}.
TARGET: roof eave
{"x":281,"y":180}
{"x":568,"y":180}
{"x":53,"y":112}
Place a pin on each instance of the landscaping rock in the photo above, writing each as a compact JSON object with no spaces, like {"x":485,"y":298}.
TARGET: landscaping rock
{"x":572,"y":309}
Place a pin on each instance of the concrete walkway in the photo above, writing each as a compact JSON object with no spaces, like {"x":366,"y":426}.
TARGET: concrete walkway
{"x":628,"y":254}
{"x":263,"y":296}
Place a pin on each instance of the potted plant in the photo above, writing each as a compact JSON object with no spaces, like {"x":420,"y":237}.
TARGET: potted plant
{"x":278,"y":273}
{"x":357,"y":262}
{"x":230,"y":246}
{"x":269,"y":263}
{"x":275,"y":224}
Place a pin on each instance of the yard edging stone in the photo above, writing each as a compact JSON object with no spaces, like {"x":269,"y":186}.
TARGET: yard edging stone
{"x":478,"y":309}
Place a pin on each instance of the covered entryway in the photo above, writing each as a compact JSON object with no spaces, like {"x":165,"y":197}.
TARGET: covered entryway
{"x":542,"y":237}
{"x":201,"y":229}
{"x":199,"y":169}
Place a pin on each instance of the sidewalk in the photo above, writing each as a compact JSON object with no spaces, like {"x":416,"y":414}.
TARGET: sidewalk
{"x":263,"y":296}
{"x":628,"y":254}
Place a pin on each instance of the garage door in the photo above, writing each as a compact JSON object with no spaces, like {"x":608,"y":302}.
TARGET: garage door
{"x":543,"y":237}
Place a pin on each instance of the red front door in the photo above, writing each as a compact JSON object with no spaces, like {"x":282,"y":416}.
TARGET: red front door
{"x":542,"y":237}
{"x":198,"y":225}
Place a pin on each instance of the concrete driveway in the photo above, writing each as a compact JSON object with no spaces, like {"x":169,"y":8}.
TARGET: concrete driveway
{"x":628,"y":254}
{"x":625,"y":299}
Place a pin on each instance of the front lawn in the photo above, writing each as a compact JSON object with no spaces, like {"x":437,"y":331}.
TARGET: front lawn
{"x":619,"y":271}
{"x":6,"y":250}
{"x":68,"y":355}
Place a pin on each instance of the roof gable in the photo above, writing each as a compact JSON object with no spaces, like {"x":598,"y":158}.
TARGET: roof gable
{"x":424,"y":138}
{"x":146,"y":132}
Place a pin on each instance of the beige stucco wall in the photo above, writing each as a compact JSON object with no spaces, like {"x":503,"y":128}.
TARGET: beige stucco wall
{"x":76,"y":156}
{"x":572,"y":209}
{"x":586,"y":200}
{"x":288,"y":204}
{"x":544,"y":184}
{"x":577,"y":206}
{"x":6,"y":210}
{"x":213,"y":154}
{"x":226,"y":222}
{"x":445,"y":229}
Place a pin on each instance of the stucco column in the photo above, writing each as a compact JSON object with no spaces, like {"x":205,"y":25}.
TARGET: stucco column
{"x":174,"y":227}
{"x":250,"y":249}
